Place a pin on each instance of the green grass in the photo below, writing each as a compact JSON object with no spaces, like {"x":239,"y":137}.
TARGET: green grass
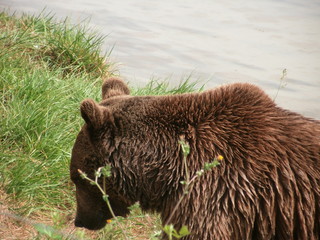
{"x":40,"y":93}
{"x":46,"y":70}
{"x":156,"y":87}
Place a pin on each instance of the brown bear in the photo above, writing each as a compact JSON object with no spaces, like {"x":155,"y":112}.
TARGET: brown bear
{"x":266,"y":187}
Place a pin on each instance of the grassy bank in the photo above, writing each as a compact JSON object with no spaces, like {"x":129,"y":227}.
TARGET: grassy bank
{"x":46,"y":70}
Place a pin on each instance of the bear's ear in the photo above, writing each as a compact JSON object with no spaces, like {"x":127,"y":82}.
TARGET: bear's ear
{"x":94,"y":114}
{"x":114,"y":87}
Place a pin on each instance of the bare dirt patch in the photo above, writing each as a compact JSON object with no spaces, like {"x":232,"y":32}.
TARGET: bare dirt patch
{"x":11,"y":225}
{"x":16,"y":227}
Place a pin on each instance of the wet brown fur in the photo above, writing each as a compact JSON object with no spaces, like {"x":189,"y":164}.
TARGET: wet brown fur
{"x":266,"y":187}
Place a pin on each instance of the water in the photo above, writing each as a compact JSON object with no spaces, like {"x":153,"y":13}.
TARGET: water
{"x":218,"y":42}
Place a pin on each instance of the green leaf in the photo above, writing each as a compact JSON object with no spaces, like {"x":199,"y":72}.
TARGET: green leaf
{"x":106,"y":171}
{"x":184,"y":231}
{"x":210,"y":165}
{"x":168,"y":229}
{"x":47,"y":231}
{"x":105,"y":197}
{"x":171,"y":232}
{"x":183,"y":182}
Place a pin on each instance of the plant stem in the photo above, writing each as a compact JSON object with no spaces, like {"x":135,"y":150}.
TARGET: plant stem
{"x":105,"y":199}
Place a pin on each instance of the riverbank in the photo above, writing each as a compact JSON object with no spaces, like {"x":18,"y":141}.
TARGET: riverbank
{"x":46,"y":70}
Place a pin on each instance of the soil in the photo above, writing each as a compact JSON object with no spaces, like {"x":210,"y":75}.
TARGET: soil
{"x":12,"y":226}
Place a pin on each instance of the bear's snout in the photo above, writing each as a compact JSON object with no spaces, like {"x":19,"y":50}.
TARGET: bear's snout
{"x":90,"y":223}
{"x":78,"y":223}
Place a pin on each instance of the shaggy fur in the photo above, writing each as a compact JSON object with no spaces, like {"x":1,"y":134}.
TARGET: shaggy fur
{"x":266,"y":187}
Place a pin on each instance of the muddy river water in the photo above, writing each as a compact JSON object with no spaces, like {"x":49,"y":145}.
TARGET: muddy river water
{"x":216,"y":41}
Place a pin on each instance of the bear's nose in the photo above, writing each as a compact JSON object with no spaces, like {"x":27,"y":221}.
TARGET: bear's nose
{"x":78,"y":223}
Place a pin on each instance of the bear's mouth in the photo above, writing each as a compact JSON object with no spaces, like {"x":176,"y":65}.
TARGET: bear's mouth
{"x":91,"y":224}
{"x":100,"y":218}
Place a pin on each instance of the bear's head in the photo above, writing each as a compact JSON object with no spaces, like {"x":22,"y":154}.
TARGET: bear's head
{"x":87,"y":156}
{"x":138,"y":137}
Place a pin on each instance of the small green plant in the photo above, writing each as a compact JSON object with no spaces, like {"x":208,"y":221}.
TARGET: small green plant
{"x":52,"y":232}
{"x":45,"y":230}
{"x":188,"y":184}
{"x":104,"y":172}
{"x":172,"y":233}
{"x":48,"y":231}
{"x":282,"y":83}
